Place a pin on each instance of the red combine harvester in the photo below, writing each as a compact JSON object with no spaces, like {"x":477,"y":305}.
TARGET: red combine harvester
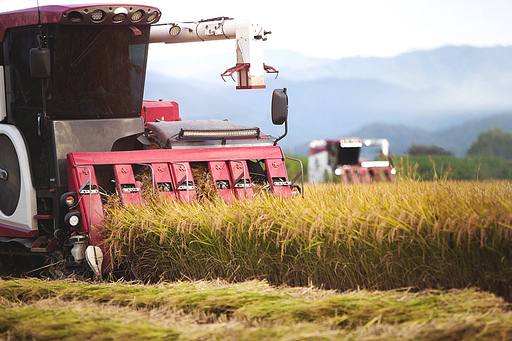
{"x":329,"y":159}
{"x":74,"y":127}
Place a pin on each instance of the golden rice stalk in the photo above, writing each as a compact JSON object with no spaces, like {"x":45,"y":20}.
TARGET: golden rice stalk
{"x":204,"y":184}
{"x":379,"y":236}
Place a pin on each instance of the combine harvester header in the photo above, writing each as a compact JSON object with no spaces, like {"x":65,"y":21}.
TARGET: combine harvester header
{"x":74,"y":128}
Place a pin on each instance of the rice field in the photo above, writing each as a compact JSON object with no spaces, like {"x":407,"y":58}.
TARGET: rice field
{"x":419,"y":235}
{"x":407,"y":260}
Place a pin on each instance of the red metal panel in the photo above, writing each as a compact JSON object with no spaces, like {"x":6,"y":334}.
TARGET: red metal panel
{"x":89,"y":204}
{"x":352,"y":174}
{"x":82,"y":179}
{"x":317,"y":149}
{"x":379,"y":174}
{"x":389,"y":174}
{"x":183,"y":181}
{"x":364,"y":174}
{"x":344,"y":176}
{"x":47,"y":245}
{"x":278,"y":177}
{"x":185,"y":156}
{"x":241,"y":179}
{"x":29,"y":16}
{"x":220,"y":176}
{"x":178,"y":155}
{"x":12,"y":231}
{"x":160,"y":110}
{"x":163,"y":180}
{"x":128,"y":190}
{"x":44,"y":216}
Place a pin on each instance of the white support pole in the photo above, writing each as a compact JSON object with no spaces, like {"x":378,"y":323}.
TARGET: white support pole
{"x":186,"y":32}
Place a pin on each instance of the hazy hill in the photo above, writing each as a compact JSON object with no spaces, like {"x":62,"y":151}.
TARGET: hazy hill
{"x":456,"y":139}
{"x":428,"y":91}
{"x":445,"y":67}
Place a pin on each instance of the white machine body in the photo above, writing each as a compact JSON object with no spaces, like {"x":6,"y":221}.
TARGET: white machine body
{"x":23,"y":217}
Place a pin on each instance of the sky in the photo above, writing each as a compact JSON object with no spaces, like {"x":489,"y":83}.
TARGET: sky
{"x":338,"y":28}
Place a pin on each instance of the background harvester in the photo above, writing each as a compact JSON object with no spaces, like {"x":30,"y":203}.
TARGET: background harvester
{"x":74,"y":128}
{"x":342,"y":159}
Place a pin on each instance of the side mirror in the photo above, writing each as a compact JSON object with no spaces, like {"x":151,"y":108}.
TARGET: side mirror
{"x":279,"y":106}
{"x":40,"y":63}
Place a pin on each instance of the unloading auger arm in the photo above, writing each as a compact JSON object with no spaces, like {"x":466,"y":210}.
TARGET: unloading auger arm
{"x":249,"y":37}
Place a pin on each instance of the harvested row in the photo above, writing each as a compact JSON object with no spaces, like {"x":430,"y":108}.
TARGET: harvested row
{"x":388,"y":235}
{"x":252,"y":310}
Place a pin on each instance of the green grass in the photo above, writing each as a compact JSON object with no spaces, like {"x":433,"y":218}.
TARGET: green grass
{"x":440,"y":234}
{"x":450,"y":167}
{"x":64,"y":310}
{"x":293,"y":168}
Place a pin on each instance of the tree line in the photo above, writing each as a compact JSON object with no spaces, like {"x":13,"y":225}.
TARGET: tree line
{"x":488,"y":157}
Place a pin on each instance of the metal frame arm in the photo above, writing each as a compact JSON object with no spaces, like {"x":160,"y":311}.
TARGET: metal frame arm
{"x":249,"y":67}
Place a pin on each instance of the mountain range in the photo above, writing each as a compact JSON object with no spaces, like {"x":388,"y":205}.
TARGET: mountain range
{"x":443,"y":97}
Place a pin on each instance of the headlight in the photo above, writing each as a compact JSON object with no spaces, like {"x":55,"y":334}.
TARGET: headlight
{"x":218,"y":134}
{"x":75,"y":17}
{"x":72,"y":219}
{"x":97,"y":15}
{"x":119,"y":15}
{"x":137,"y":15}
{"x":152,"y":17}
{"x":174,"y":30}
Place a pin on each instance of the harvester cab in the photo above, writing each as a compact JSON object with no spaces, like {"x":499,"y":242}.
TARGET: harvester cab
{"x":74,"y":128}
